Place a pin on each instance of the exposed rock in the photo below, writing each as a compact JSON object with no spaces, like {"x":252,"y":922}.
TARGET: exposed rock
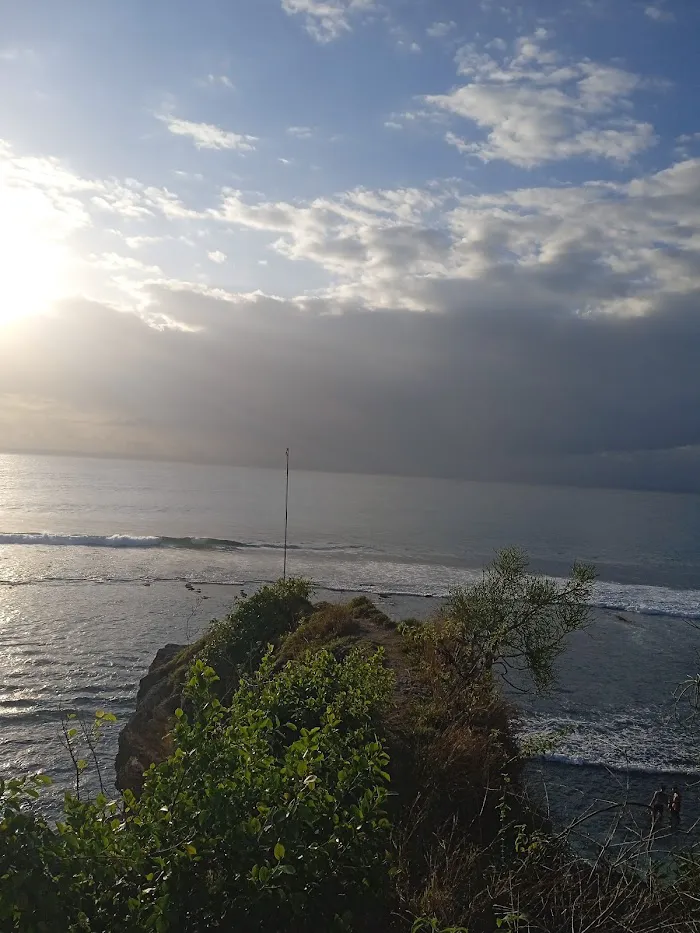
{"x":145,"y":738}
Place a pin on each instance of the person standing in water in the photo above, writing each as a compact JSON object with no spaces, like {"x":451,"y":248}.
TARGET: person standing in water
{"x":658,"y":804}
{"x":674,"y":805}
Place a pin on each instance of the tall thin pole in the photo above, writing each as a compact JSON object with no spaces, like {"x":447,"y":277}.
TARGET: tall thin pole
{"x":286,"y":519}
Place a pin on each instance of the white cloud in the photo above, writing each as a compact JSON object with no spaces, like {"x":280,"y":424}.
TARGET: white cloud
{"x":48,"y":212}
{"x":220,"y":81}
{"x":440,"y":30}
{"x":207,"y":135}
{"x":592,"y":248}
{"x":217,"y":256}
{"x":16,"y":54}
{"x":52,"y":194}
{"x":659,"y":14}
{"x":74,"y":198}
{"x":138,"y":242}
{"x":405,"y":46}
{"x":536,"y":107}
{"x":300,"y":132}
{"x":326,"y":20}
{"x":113,"y":262}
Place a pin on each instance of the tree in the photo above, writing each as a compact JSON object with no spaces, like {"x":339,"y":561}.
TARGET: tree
{"x":512,"y":621}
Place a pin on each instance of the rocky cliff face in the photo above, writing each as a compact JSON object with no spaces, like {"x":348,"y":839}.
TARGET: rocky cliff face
{"x":145,"y":738}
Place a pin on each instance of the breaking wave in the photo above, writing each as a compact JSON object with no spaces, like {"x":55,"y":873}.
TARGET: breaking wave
{"x":149,"y":541}
{"x":334,"y":566}
{"x":631,"y":767}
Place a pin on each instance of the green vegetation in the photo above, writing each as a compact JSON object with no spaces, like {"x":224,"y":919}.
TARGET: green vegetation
{"x":329,"y":770}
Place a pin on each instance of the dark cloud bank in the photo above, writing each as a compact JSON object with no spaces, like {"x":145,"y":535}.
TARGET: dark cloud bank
{"x":508,"y":394}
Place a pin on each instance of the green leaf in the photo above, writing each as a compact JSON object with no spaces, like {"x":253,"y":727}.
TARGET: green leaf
{"x":279,"y":851}
{"x":190,"y":849}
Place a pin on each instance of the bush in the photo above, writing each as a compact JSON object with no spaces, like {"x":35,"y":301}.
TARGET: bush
{"x":238,"y":642}
{"x":270,"y":814}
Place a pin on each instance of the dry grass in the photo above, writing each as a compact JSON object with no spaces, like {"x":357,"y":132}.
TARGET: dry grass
{"x":327,"y":626}
{"x":471,"y":851}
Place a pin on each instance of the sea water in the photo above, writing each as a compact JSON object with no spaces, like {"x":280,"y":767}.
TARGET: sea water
{"x":95,"y":555}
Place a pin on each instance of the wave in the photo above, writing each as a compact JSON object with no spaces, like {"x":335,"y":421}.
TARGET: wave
{"x":647,"y":600}
{"x":153,"y":541}
{"x":631,"y":767}
{"x":336,"y":567}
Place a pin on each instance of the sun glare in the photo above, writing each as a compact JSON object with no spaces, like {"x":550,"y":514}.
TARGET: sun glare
{"x":33,"y":260}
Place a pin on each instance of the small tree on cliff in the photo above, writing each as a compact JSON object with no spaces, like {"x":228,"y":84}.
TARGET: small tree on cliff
{"x":512,"y":621}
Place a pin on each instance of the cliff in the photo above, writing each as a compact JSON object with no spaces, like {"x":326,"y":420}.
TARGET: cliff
{"x":340,"y":788}
{"x":144,"y":739}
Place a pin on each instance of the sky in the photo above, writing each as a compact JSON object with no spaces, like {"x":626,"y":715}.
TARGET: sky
{"x":432,"y":237}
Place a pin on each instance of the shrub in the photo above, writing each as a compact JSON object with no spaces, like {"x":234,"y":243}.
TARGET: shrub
{"x":268,"y":814}
{"x":238,"y":642}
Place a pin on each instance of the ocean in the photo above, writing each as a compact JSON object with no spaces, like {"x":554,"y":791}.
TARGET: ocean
{"x":95,"y":555}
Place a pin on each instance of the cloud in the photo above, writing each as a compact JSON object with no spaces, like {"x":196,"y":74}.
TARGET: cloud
{"x":659,"y":14}
{"x":440,"y":321}
{"x":220,"y":81}
{"x":300,"y":132}
{"x":439,"y":30}
{"x":464,"y":392}
{"x":207,"y":135}
{"x":138,"y":242}
{"x":16,"y":54}
{"x":217,"y":256}
{"x":597,"y":248}
{"x":113,"y":262}
{"x":48,"y":213}
{"x":327,"y":20}
{"x":46,"y":190}
{"x":535,"y":107}
{"x":65,"y":203}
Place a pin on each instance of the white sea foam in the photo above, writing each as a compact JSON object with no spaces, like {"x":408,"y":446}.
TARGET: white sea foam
{"x":349,"y":567}
{"x":129,"y":541}
{"x":631,"y":767}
